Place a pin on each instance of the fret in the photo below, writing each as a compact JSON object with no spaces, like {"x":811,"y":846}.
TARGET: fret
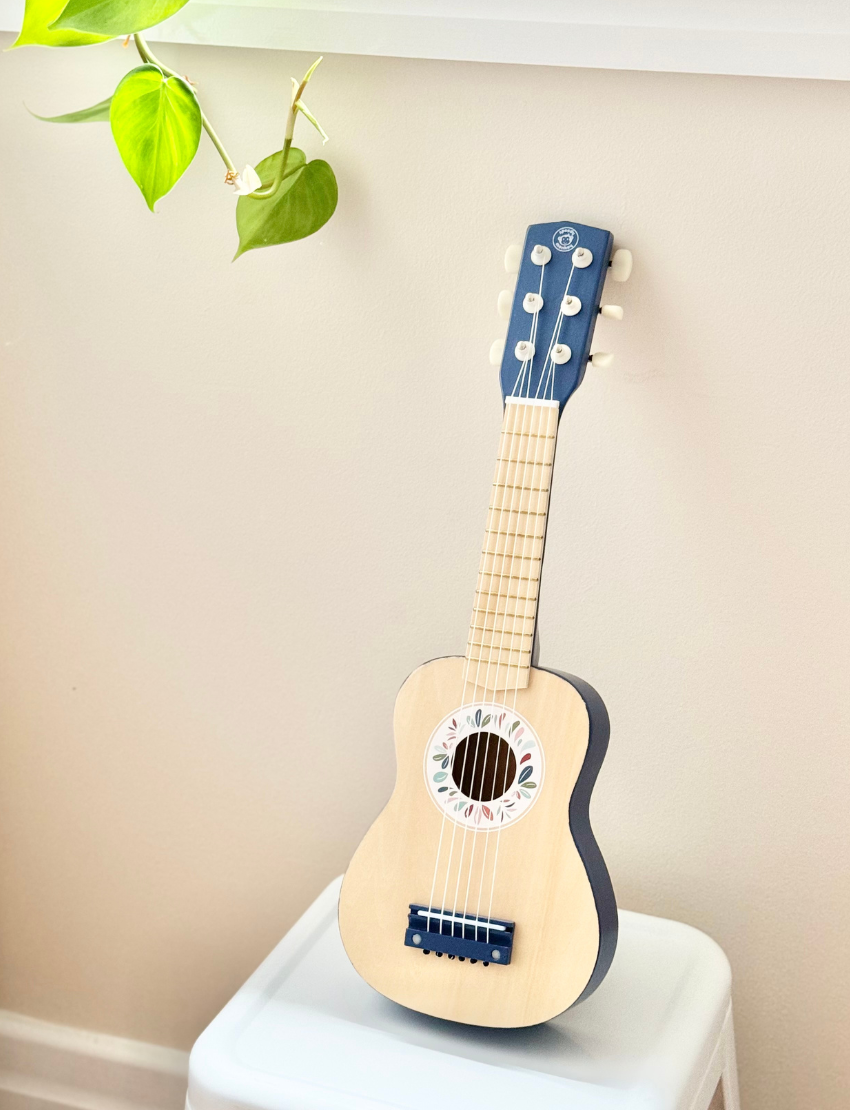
{"x":544,"y":460}
{"x":494,"y":638}
{"x":510,"y":518}
{"x":502,"y":658}
{"x":505,"y":579}
{"x":516,"y":535}
{"x":509,"y":543}
{"x":515,"y":577}
{"x":528,"y":435}
{"x":516,"y":597}
{"x":497,"y":655}
{"x":512,"y":624}
{"x":521,"y":611}
{"x":524,"y":610}
{"x":509,"y":604}
{"x":504,"y":485}
{"x":515,"y":547}
{"x":528,"y":473}
{"x":502,"y":663}
{"x":516,"y":517}
{"x":513,"y":533}
{"x":501,"y":669}
{"x":500,"y":612}
{"x":546,"y":463}
{"x":491,"y":636}
{"x":516,"y":500}
{"x":510,"y":565}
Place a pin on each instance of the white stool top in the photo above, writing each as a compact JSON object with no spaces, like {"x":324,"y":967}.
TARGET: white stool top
{"x":306,"y":1033}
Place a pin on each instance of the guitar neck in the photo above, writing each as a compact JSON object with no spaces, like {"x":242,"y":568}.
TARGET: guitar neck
{"x":501,"y":630}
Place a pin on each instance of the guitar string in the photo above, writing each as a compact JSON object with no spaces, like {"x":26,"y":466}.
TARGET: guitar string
{"x":517,"y":418}
{"x":542,"y":422}
{"x":556,"y":334}
{"x":476,"y":685}
{"x":487,"y":830}
{"x":519,"y":430}
{"x":542,"y":496}
{"x":450,"y":776}
{"x":545,"y":374}
{"x":546,"y":380}
{"x":531,"y":412}
{"x":542,"y":419}
{"x":463,"y":706}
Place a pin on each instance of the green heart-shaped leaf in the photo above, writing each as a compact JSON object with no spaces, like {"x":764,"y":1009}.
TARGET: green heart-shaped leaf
{"x":115,"y":17}
{"x":38,"y":15}
{"x":95,"y":114}
{"x":303,"y":202}
{"x":156,"y":124}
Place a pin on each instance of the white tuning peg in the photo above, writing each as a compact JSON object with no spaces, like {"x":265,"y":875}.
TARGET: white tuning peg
{"x":503,"y":304}
{"x":621,"y":264}
{"x":497,"y":351}
{"x":611,"y":312}
{"x":602,"y":359}
{"x":513,"y":258}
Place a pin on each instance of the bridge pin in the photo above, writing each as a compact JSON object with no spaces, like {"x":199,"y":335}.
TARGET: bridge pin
{"x":486,"y":963}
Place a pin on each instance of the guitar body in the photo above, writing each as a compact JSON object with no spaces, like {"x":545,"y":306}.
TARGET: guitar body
{"x":479,"y":894}
{"x":551,"y":879}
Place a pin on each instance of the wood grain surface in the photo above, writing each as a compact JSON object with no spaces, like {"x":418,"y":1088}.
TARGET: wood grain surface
{"x":541,"y":883}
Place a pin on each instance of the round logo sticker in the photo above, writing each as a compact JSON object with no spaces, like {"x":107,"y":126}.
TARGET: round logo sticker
{"x":564,"y":239}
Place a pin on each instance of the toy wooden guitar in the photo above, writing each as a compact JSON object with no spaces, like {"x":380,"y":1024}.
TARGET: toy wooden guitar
{"x":479,"y":894}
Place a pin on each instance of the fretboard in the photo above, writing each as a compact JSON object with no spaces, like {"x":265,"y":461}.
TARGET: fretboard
{"x":501,"y":631}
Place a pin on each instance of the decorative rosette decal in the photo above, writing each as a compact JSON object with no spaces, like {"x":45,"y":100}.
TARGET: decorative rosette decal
{"x":484,"y":766}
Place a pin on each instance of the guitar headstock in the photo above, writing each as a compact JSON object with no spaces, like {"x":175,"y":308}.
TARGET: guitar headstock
{"x":562,"y":269}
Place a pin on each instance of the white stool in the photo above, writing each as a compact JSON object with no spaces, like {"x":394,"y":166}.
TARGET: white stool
{"x":306,"y":1033}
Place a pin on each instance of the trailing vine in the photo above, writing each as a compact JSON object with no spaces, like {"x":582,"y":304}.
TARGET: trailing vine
{"x":156,"y":120}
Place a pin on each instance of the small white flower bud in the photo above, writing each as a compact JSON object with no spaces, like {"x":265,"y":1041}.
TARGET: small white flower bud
{"x":247,"y":181}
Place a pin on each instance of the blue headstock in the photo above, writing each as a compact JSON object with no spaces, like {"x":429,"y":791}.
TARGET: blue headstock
{"x":558,"y":290}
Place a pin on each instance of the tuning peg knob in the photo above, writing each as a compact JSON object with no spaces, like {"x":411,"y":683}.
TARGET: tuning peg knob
{"x":497,"y":351}
{"x":513,"y":258}
{"x":611,"y":312}
{"x":602,"y":359}
{"x":503,"y":304}
{"x":621,"y":264}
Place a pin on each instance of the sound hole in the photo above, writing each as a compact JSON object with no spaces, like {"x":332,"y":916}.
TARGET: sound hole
{"x":484,"y":766}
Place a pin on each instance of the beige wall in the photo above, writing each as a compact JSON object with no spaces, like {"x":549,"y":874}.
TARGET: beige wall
{"x":240,"y":502}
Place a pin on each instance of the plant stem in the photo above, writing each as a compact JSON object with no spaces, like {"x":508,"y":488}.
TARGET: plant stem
{"x":287,"y":138}
{"x":147,"y":56}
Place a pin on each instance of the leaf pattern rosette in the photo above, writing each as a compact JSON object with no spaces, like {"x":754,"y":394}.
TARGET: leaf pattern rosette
{"x":520,"y":795}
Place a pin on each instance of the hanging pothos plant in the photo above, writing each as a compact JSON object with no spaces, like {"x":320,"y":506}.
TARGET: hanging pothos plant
{"x":156,"y":120}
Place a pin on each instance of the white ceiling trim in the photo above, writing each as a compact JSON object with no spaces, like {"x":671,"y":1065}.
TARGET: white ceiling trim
{"x":768,"y":38}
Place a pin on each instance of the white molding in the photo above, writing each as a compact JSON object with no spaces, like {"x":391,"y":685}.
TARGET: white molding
{"x":770,"y":38}
{"x":54,"y":1067}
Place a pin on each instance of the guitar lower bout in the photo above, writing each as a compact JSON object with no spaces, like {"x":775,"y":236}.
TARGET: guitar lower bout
{"x":479,"y":894}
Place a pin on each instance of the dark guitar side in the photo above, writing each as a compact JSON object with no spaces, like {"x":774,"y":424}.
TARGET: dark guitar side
{"x":585,"y":841}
